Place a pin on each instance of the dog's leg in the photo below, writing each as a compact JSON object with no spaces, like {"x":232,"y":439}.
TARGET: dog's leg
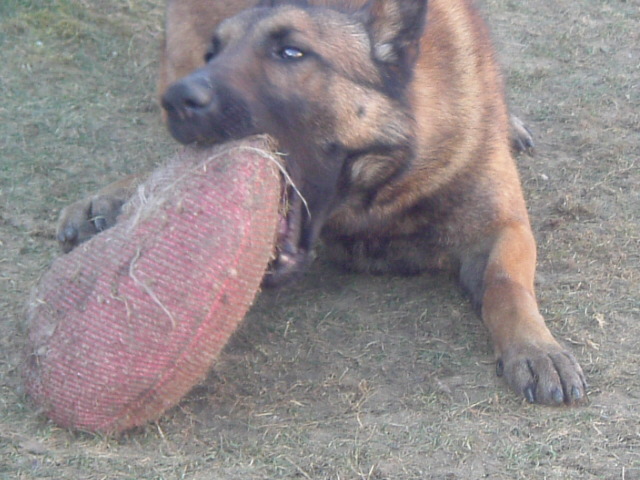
{"x":531,"y":360}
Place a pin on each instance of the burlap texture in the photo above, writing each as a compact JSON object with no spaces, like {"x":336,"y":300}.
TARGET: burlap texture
{"x":127,"y":323}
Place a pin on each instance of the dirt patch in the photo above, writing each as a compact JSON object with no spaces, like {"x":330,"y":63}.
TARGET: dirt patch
{"x":344,"y":376}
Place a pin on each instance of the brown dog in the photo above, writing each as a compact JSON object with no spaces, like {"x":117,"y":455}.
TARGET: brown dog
{"x":393,"y":120}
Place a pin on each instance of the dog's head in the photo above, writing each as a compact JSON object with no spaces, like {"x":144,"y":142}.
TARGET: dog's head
{"x":330,"y":85}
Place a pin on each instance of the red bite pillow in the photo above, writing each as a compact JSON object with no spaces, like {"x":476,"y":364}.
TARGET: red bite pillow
{"x":127,"y":323}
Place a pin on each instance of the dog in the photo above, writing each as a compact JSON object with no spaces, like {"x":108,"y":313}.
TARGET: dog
{"x":392,"y":117}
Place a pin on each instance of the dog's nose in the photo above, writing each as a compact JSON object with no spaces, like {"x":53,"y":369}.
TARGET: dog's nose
{"x":188,"y":94}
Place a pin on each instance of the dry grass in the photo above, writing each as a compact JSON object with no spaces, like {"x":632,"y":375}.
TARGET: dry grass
{"x":343,"y":376}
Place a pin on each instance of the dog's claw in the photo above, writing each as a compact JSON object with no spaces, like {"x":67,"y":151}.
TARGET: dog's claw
{"x":576,"y":394}
{"x":557,"y":395}
{"x":67,"y":234}
{"x":101,"y":223}
{"x":529,"y":395}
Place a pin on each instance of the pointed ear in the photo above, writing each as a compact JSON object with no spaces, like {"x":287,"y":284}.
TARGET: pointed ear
{"x":395,"y":28}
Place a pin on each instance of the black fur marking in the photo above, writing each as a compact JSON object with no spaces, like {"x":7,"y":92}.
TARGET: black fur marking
{"x":472,"y":271}
{"x":199,"y":113}
{"x":215,"y":47}
{"x":395,"y":28}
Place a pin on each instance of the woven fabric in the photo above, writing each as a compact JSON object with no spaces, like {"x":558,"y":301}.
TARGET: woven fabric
{"x":127,"y":323}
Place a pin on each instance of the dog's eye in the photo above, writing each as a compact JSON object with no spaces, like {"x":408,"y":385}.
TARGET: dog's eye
{"x":290,"y":53}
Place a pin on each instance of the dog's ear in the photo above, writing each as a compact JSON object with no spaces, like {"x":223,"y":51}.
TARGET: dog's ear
{"x":395,"y":28}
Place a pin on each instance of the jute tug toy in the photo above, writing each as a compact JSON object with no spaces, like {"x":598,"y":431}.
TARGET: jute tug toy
{"x":122,"y":327}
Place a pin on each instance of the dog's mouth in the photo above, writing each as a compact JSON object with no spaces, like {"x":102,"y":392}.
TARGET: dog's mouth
{"x":294,"y":240}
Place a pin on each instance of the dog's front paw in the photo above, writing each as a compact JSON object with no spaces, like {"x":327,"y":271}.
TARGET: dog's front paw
{"x":546,"y":374}
{"x":85,"y":218}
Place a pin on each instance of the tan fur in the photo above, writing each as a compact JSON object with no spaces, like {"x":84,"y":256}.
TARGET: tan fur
{"x":453,"y":201}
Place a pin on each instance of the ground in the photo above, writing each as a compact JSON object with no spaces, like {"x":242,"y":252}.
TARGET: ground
{"x":343,"y":376}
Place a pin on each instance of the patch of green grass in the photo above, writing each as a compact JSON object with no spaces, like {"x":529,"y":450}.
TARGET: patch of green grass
{"x":64,"y":111}
{"x":9,"y":8}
